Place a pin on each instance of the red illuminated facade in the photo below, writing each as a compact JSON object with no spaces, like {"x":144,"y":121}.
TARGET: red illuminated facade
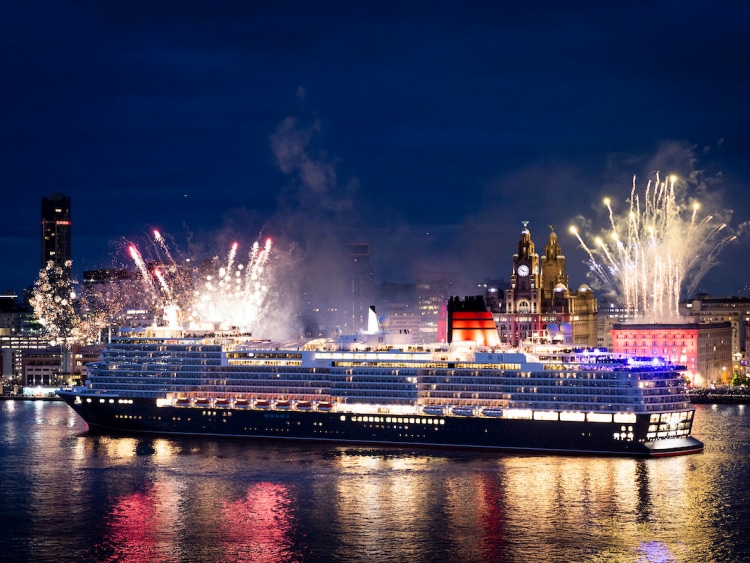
{"x":704,"y":348}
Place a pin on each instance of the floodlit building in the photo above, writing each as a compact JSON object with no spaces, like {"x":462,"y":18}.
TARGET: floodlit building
{"x":705,"y":349}
{"x":735,"y":310}
{"x":539,"y":305}
{"x":42,"y":366}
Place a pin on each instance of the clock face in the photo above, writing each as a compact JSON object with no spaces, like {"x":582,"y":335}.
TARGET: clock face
{"x":523,"y":270}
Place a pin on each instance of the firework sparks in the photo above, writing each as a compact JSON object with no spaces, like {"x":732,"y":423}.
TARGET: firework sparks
{"x":656,"y":256}
{"x":141,"y":265}
{"x":214,"y":295}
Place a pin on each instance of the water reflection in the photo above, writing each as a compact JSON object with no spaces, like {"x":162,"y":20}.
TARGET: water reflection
{"x":169,"y":521}
{"x":106,"y":498}
{"x":140,"y":527}
{"x":258,"y":526}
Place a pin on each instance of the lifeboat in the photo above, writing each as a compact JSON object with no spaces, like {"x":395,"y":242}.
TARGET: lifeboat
{"x":183,"y":402}
{"x":242,"y":404}
{"x":433,"y":409}
{"x":222,"y":403}
{"x":283,"y":405}
{"x":463,"y":411}
{"x":325,"y":407}
{"x":304,"y":405}
{"x":262,"y":404}
{"x":202,"y":402}
{"x":492,"y":411}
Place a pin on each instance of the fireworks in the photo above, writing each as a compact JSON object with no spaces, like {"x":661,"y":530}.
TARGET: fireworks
{"x":214,"y":294}
{"x":657,"y":253}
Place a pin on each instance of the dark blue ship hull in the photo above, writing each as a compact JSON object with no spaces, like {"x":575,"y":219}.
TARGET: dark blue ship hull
{"x":491,"y":433}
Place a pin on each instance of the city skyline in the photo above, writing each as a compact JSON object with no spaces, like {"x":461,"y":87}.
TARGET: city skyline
{"x":428,"y":133}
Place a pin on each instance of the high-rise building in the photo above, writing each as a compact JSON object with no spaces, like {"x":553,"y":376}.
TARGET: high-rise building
{"x":433,"y":291}
{"x":360,"y":285}
{"x":55,"y":229}
{"x":398,"y":303}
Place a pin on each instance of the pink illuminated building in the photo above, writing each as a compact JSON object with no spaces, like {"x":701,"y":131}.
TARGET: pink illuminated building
{"x":704,"y":348}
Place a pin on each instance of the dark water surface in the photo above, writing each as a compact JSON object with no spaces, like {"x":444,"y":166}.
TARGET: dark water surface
{"x":66,"y":495}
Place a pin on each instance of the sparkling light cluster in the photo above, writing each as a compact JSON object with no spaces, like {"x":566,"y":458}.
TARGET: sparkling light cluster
{"x":658,"y":252}
{"x":52,"y":299}
{"x":212,"y":295}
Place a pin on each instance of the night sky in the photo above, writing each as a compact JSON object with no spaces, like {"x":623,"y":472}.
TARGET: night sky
{"x":428,"y":129}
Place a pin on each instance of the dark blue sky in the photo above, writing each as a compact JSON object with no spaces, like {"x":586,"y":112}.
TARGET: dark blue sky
{"x":429,"y":129}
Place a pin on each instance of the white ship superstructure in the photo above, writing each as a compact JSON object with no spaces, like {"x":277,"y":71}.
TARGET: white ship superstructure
{"x":640,"y":400}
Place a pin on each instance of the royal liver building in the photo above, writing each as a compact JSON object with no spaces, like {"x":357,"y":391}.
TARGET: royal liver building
{"x":539,"y":304}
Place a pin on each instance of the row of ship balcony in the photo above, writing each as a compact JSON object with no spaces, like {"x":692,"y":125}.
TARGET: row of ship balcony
{"x":554,"y":393}
{"x":376,"y":397}
{"x":510,"y":384}
{"x":284,"y":405}
{"x":592,"y":395}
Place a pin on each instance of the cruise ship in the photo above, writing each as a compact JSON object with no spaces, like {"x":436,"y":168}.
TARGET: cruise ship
{"x":378,"y":389}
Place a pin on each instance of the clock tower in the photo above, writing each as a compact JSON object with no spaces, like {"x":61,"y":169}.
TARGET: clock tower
{"x":537,"y":305}
{"x":523,"y":299}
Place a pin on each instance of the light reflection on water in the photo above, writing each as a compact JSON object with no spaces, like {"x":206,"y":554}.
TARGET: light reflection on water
{"x":104,"y":498}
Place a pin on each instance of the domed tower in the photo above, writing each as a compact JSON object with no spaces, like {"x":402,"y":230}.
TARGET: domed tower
{"x":540,"y":297}
{"x":553,"y":266}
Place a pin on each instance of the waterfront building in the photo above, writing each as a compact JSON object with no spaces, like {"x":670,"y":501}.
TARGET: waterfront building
{"x":702,"y":308}
{"x":705,"y":349}
{"x":539,"y":305}
{"x":12,"y":314}
{"x":12,"y":348}
{"x":41,"y":366}
{"x":608,"y":315}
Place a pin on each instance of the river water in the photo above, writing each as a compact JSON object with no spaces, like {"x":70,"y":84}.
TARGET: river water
{"x":67,"y":495}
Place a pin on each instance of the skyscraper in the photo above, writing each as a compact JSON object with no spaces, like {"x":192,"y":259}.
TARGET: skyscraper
{"x":359,"y":279}
{"x":55,"y":229}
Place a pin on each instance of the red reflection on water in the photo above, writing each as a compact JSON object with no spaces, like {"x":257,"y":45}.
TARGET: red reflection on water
{"x":146,"y":526}
{"x":258,"y":526}
{"x":137,"y":529}
{"x":492,"y":517}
